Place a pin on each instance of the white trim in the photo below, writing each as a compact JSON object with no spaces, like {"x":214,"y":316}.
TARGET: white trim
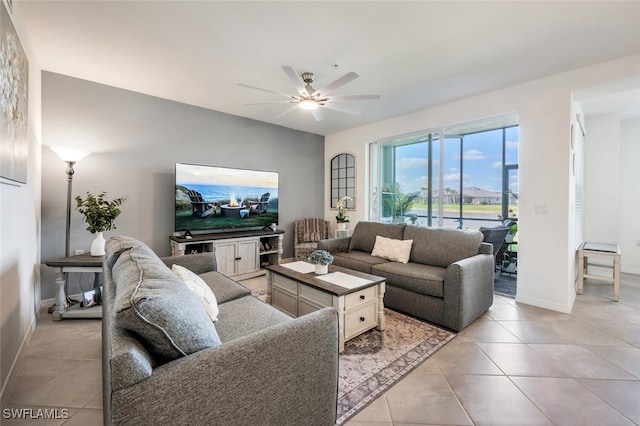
{"x":541,"y":303}
{"x":22,"y":352}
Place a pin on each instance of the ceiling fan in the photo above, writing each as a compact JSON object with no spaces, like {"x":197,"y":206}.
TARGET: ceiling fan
{"x":311,"y":99}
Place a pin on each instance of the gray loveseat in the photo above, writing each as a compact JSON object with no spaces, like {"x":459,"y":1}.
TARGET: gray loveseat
{"x":448,"y":279}
{"x":166,"y":363}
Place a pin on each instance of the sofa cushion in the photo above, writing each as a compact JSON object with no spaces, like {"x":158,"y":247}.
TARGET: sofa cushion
{"x":442,"y":246}
{"x":118,"y":244}
{"x":197,"y":263}
{"x":244,"y":316}
{"x":364,"y":234}
{"x":415,"y":277}
{"x":357,"y":260}
{"x":394,"y":250}
{"x":224,"y":287}
{"x":154,"y":303}
{"x":200,"y":288}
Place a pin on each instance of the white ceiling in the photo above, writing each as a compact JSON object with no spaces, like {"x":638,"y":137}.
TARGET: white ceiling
{"x":415,"y":54}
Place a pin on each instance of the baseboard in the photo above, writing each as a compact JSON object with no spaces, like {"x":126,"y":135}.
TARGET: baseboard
{"x":631,"y":271}
{"x":565,"y":309}
{"x":47,"y":302}
{"x":4,"y":393}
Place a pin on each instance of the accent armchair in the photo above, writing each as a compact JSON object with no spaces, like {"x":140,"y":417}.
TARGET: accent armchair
{"x":306,"y":234}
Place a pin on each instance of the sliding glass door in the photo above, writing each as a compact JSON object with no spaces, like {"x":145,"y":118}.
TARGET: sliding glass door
{"x":467,"y":181}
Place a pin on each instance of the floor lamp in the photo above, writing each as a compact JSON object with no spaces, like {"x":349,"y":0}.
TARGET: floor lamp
{"x":69,"y":156}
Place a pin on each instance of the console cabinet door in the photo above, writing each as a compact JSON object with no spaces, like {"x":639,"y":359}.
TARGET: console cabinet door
{"x":226,"y":258}
{"x":247,"y":257}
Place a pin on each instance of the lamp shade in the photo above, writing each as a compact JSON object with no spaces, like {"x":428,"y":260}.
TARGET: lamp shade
{"x":69,"y":154}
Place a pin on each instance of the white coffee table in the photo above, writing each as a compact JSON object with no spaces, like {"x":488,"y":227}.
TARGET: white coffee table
{"x":296,"y":290}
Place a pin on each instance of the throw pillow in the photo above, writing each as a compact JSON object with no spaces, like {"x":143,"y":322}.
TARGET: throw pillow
{"x":200,"y":288}
{"x":394,"y":250}
{"x":154,"y":303}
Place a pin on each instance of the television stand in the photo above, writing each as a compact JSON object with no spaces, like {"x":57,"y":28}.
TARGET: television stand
{"x":239,"y":254}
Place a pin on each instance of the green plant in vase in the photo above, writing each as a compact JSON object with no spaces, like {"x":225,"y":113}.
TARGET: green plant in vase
{"x":322,"y":259}
{"x":100,"y":215}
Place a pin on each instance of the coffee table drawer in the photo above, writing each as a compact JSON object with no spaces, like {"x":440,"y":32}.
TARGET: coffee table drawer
{"x":285,"y":301}
{"x":363,"y":296}
{"x":316,"y":296}
{"x":285,"y":283}
{"x":361,"y":319}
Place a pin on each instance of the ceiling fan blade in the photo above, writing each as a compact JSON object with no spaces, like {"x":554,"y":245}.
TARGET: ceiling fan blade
{"x":317,"y":114}
{"x":354,"y":98}
{"x":265,"y":90}
{"x":270,"y":103}
{"x":295,"y":79}
{"x":287,"y":111}
{"x":342,"y":108}
{"x":350,"y":76}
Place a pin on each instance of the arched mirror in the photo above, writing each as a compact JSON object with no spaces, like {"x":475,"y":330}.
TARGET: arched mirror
{"x":343,"y":179}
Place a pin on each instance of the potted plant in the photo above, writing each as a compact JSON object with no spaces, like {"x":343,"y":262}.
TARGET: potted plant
{"x":100,"y":215}
{"x":513,"y":230}
{"x":322,"y":259}
{"x":342,"y":218}
{"x":397,"y":204}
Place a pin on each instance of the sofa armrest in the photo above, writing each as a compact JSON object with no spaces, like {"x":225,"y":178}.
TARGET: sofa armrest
{"x":198,"y":263}
{"x":286,"y":374}
{"x":335,"y":245}
{"x":468,"y":290}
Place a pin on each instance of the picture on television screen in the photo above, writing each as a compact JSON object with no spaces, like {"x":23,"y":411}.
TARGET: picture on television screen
{"x":218,"y":198}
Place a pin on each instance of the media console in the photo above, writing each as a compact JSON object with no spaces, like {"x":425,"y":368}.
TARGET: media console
{"x":239,"y":254}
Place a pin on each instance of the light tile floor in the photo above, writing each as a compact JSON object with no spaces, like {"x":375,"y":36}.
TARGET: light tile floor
{"x":516,"y":365}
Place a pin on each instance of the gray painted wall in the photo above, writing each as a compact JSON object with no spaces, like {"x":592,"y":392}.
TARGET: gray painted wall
{"x":135,"y":142}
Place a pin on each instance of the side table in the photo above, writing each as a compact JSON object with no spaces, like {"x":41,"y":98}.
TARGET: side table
{"x":340,"y":233}
{"x":78,"y":263}
{"x":609,"y":252}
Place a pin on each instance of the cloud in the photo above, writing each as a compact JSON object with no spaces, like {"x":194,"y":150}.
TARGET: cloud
{"x":411,"y":163}
{"x":474,"y":154}
{"x":451,"y":177}
{"x":511,"y":144}
{"x":497,"y":165}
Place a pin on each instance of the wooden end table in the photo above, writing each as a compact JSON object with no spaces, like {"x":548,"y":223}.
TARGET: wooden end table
{"x":78,"y":263}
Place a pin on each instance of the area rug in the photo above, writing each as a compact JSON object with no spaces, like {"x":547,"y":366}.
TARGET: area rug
{"x":374,"y":361}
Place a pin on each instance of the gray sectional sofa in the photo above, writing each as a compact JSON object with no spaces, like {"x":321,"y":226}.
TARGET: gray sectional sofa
{"x":448,"y":279}
{"x":165,"y":362}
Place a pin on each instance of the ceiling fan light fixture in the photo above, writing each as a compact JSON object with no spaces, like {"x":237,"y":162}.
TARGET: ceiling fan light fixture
{"x":308,"y":104}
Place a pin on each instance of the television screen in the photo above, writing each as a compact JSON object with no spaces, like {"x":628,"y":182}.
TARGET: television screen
{"x":218,"y":198}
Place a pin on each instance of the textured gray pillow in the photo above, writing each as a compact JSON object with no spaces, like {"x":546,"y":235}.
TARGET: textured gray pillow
{"x":118,"y":244}
{"x":154,"y":303}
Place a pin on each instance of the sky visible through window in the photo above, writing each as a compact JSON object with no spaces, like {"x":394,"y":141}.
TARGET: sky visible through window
{"x":482,"y":162}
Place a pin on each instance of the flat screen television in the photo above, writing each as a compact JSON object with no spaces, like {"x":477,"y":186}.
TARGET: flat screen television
{"x":212,"y":198}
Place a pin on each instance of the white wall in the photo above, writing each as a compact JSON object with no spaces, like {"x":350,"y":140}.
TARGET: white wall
{"x":546,"y":267}
{"x":20,"y":237}
{"x":629,"y":230}
{"x":602,"y":178}
{"x":612,"y":193}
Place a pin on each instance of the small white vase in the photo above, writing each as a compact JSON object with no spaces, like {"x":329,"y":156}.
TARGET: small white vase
{"x":321,"y":269}
{"x":97,"y":246}
{"x":342,"y":225}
